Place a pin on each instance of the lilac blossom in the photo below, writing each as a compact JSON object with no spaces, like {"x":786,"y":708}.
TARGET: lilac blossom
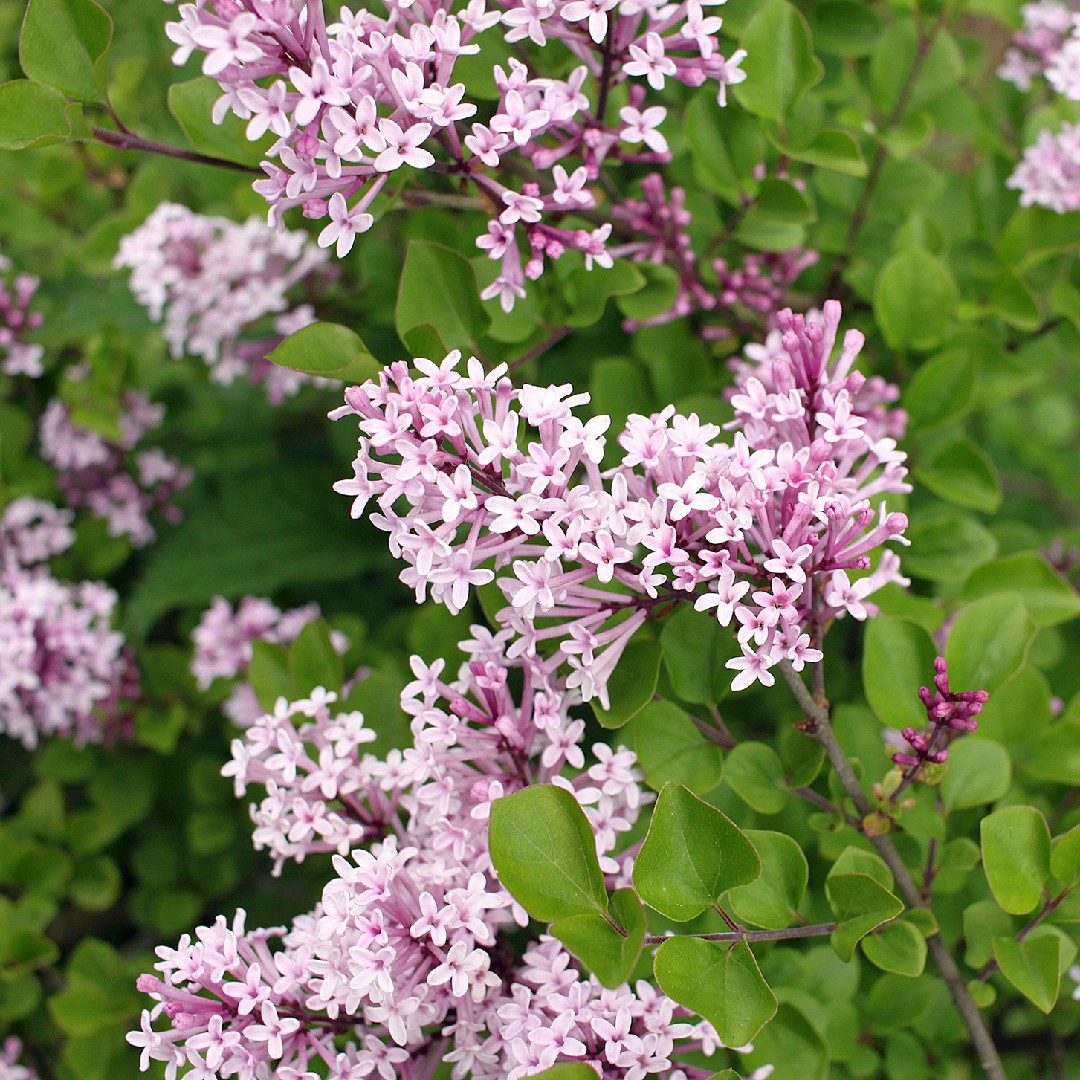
{"x":475,"y":481}
{"x":223,"y":646}
{"x":111,"y":478}
{"x":18,"y":356}
{"x":1036,"y":48}
{"x":368,"y":95}
{"x":1049,"y":174}
{"x":10,"y":1067}
{"x":64,"y":671}
{"x":215,"y":283}
{"x":405,"y":962}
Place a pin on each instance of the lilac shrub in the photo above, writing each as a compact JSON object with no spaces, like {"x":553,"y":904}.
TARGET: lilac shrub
{"x":17,"y":355}
{"x":213,"y":282}
{"x":476,"y":481}
{"x":353,"y":102}
{"x":410,"y":958}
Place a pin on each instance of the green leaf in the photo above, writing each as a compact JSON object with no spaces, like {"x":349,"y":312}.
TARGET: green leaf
{"x":1034,"y":234}
{"x":656,"y":297}
{"x":782,"y":202}
{"x":31,"y":115}
{"x":1065,"y":857}
{"x":632,"y":684}
{"x":696,"y":648}
{"x":1016,"y":857}
{"x":725,"y":146}
{"x":897,"y":947}
{"x":895,"y":56}
{"x":588,"y":291}
{"x":691,"y":856}
{"x":831,"y":149}
{"x":378,"y":697}
{"x":861,"y":904}
{"x":269,"y":674}
{"x":96,"y":883}
{"x":313,"y":660}
{"x":670,"y":747}
{"x":845,"y":27}
{"x":773,"y":900}
{"x":1048,"y":597}
{"x":438,"y":288}
{"x":962,"y":472}
{"x":64,"y":44}
{"x":947,"y":547}
{"x":988,"y":642}
{"x":1056,"y":755}
{"x":898,"y":658}
{"x":719,"y":982}
{"x":979,"y":771}
{"x":792,"y":1045}
{"x":754,"y":772}
{"x":853,"y":860}
{"x":983,"y":921}
{"x":1033,"y":966}
{"x":1013,"y":300}
{"x":942,"y":389}
{"x":780,"y":64}
{"x":263,"y":529}
{"x":914,"y":296}
{"x":610,"y":956}
{"x":192,"y":104}
{"x":329,"y":351}
{"x":544,"y":852}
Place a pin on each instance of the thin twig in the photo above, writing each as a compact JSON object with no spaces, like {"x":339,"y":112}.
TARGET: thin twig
{"x":1049,"y":907}
{"x":126,"y":140}
{"x":820,"y":727}
{"x":817,"y":930}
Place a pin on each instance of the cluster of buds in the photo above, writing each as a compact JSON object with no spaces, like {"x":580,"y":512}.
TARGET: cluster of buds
{"x":948,"y":713}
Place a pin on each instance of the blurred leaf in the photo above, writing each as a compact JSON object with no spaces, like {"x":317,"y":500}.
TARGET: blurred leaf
{"x":988,"y":642}
{"x":438,"y":288}
{"x":669,"y":747}
{"x":192,"y":104}
{"x":31,"y":115}
{"x":327,"y":350}
{"x":942,"y":389}
{"x":898,"y":658}
{"x":780,"y":64}
{"x":831,"y":149}
{"x":914,"y":296}
{"x":979,"y":771}
{"x":756,"y":775}
{"x":64,"y":44}
{"x":313,"y":660}
{"x":1016,"y":857}
{"x":1048,"y":597}
{"x":962,"y":472}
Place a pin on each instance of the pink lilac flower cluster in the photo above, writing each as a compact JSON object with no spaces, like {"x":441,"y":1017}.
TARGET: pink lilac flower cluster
{"x":948,"y":714}
{"x":476,"y":481}
{"x":407,"y":961}
{"x":63,"y":669}
{"x":17,"y":356}
{"x":223,"y":645}
{"x":352,"y":102}
{"x":1049,"y":173}
{"x":659,"y":223}
{"x":109,"y":478}
{"x":10,"y":1067}
{"x":212,"y":281}
{"x":1036,"y":49}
